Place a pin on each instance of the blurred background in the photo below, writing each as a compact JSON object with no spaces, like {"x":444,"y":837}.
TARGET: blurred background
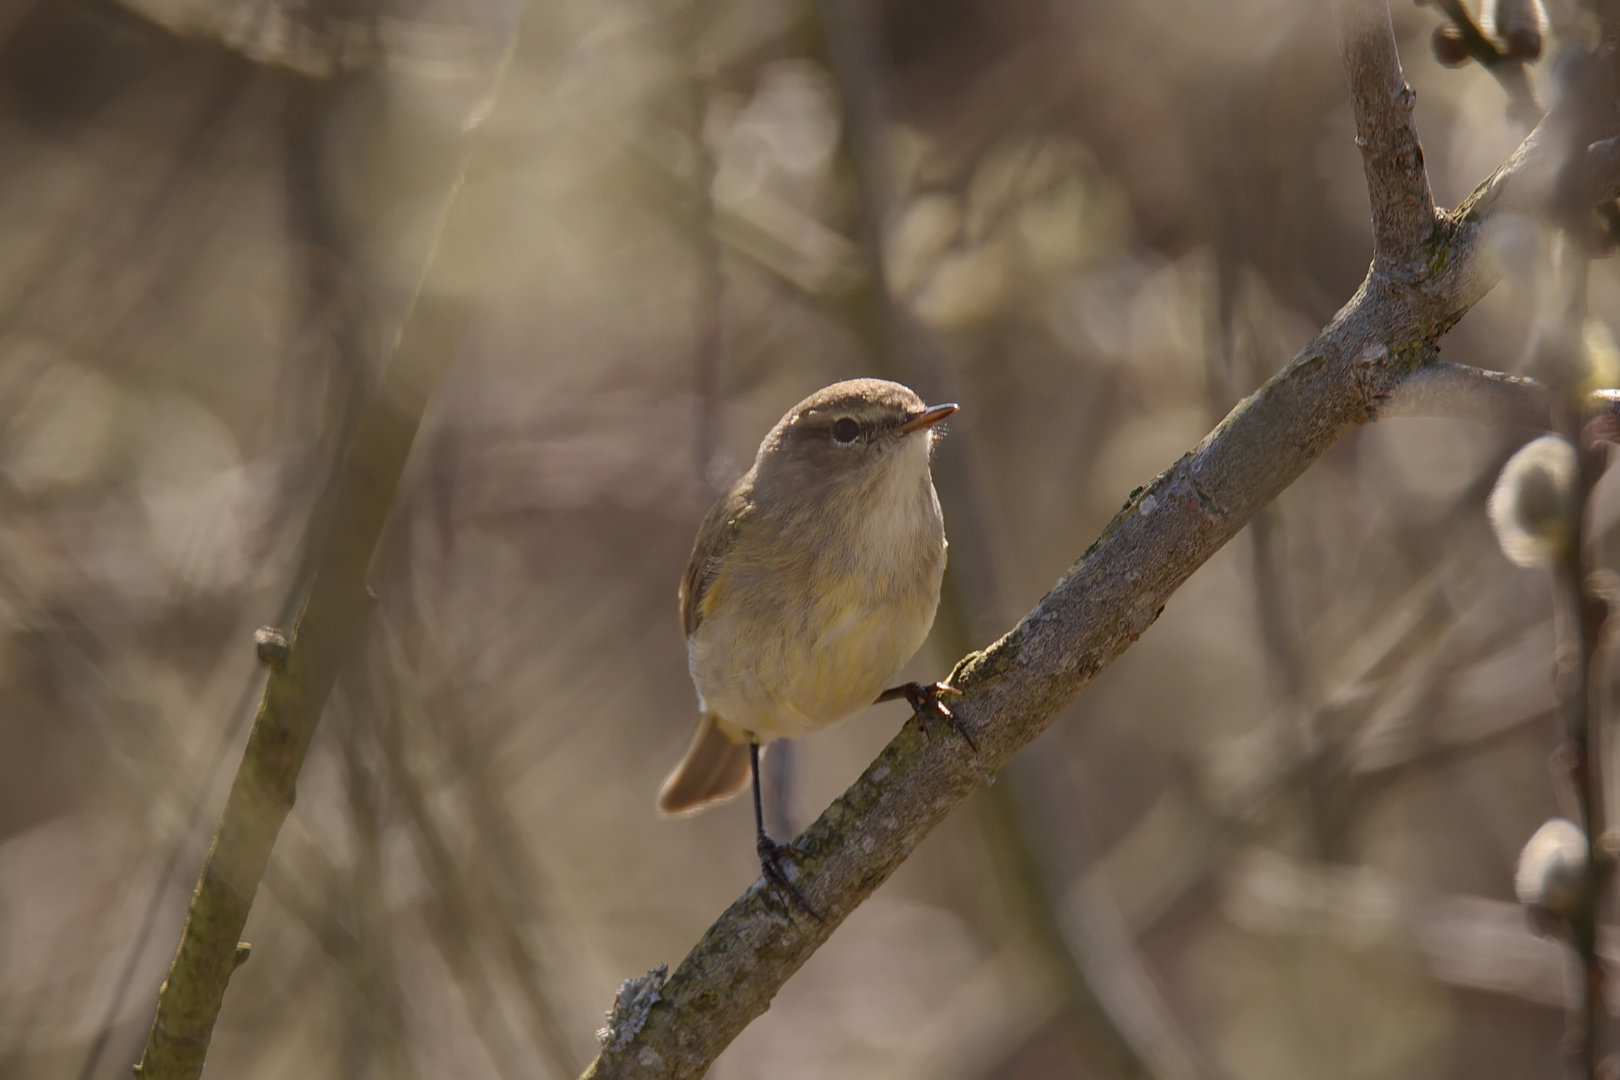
{"x":1276,"y":839}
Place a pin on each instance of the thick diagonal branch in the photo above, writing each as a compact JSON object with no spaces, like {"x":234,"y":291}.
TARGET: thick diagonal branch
{"x":1397,"y":183}
{"x":1014,"y":688}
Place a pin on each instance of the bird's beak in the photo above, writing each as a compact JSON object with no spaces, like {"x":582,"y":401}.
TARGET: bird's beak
{"x":926,"y":419}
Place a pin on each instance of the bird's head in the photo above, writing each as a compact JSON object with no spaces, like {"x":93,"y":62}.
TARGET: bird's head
{"x":857,"y":435}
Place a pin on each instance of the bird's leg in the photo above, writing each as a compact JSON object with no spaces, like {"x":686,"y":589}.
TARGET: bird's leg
{"x":770,"y":852}
{"x":927,"y":707}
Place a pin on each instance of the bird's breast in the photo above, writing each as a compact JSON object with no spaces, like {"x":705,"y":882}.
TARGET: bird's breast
{"x":814,"y":629}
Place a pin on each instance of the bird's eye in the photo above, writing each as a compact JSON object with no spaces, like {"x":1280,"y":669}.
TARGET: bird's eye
{"x":846,"y":430}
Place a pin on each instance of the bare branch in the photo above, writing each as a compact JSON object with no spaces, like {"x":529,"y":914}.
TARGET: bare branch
{"x":1397,"y":182}
{"x":334,"y":610}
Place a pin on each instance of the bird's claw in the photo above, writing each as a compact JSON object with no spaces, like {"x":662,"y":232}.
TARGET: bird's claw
{"x":927,"y":707}
{"x":770,"y":856}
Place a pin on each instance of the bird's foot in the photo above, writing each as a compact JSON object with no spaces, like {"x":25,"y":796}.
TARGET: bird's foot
{"x":770,"y":861}
{"x":929,"y":709}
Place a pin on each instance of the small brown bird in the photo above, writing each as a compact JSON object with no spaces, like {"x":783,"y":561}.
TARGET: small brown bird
{"x":811,"y":583}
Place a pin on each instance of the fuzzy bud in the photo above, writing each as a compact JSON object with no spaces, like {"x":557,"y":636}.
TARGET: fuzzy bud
{"x":1529,"y":507}
{"x":1552,"y":874}
{"x":1516,"y":26}
{"x":1449,"y":47}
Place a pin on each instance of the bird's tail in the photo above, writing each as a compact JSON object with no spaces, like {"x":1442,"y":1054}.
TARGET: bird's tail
{"x":715,"y":768}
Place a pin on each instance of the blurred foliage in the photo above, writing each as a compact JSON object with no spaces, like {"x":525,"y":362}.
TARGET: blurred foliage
{"x":1117,"y":218}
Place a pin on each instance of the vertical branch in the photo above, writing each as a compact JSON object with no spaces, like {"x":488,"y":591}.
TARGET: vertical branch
{"x":1562,"y":359}
{"x":326,"y":347}
{"x":1403,"y":212}
{"x":1581,"y":620}
{"x":329,"y":340}
{"x":336,"y":606}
